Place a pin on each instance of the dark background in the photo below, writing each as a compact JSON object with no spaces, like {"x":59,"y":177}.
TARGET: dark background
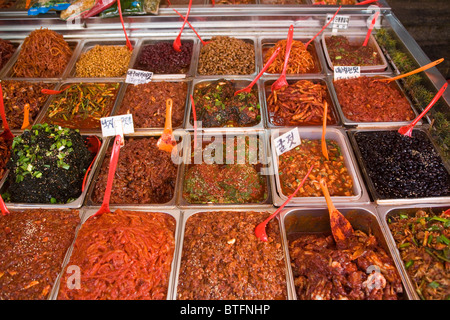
{"x":428,"y":22}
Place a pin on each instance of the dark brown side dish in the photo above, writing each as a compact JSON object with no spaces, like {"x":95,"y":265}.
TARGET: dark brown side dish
{"x":144,"y":174}
{"x":222,"y":258}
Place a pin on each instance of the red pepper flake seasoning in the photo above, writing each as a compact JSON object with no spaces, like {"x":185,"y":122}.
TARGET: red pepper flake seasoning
{"x":223,"y":259}
{"x":29,"y":265}
{"x":125,"y":255}
{"x":294,"y":164}
{"x":365,"y":100}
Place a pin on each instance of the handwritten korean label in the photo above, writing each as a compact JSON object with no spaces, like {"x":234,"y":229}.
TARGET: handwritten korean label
{"x":110,"y":125}
{"x":287,"y":141}
{"x":138,"y":76}
{"x":346,"y":72}
{"x":339,"y":22}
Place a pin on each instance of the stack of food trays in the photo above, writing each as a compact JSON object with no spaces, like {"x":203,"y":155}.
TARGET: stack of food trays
{"x":148,"y":183}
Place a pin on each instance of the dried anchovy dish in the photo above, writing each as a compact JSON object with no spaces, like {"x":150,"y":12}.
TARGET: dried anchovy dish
{"x":222,"y":259}
{"x":226,"y":55}
{"x":124,"y":255}
{"x":422,"y":239}
{"x":103,"y":61}
{"x":33,"y":244}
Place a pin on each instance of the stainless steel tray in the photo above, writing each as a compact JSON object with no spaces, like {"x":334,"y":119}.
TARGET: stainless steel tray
{"x":17,"y":44}
{"x":314,"y":49}
{"x":188,"y":213}
{"x":371,"y":187}
{"x":266,"y":88}
{"x":76,"y":204}
{"x":356,"y":38}
{"x":87,"y":45}
{"x":360,"y":194}
{"x":248,"y":39}
{"x":123,"y":94}
{"x":372,"y":124}
{"x":69,"y":249}
{"x":64,"y":83}
{"x":7,"y":72}
{"x":179,"y":134}
{"x":154,"y":40}
{"x":240,"y":84}
{"x":386,"y":212}
{"x":90,"y":211}
{"x":54,"y":85}
{"x":316,"y":220}
{"x":224,"y":134}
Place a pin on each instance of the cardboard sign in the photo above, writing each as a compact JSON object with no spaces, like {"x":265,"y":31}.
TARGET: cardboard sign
{"x":287,"y":141}
{"x":346,"y":72}
{"x":112,"y":126}
{"x":138,"y":76}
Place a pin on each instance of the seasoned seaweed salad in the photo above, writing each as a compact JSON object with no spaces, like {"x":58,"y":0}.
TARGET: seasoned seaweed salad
{"x":47,"y":165}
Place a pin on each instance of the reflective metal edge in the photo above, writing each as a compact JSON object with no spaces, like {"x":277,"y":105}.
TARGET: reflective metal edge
{"x":6,"y":73}
{"x":373,"y":226}
{"x":387,"y":211}
{"x":188,"y":213}
{"x":292,"y":79}
{"x":101,"y":158}
{"x":88,"y":44}
{"x":372,"y":42}
{"x":371,"y":187}
{"x":90,"y":211}
{"x":138,"y":131}
{"x":245,"y":38}
{"x":270,"y":41}
{"x":62,"y":84}
{"x":372,"y":124}
{"x":261,"y":134}
{"x":76,"y":204}
{"x":360,"y":196}
{"x":240,"y":83}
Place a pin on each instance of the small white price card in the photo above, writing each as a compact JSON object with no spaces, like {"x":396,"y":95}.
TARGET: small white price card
{"x":135,"y":76}
{"x":122,"y":124}
{"x":346,"y":72}
{"x":287,"y":141}
{"x":339,"y":22}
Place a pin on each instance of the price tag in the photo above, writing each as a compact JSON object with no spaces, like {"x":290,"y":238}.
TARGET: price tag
{"x":346,"y":72}
{"x":287,"y":141}
{"x":138,"y":76}
{"x":115,"y":125}
{"x":339,"y":22}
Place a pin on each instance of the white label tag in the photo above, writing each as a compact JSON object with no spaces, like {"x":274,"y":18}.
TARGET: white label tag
{"x":138,"y":76}
{"x":346,"y":72}
{"x":287,"y":141}
{"x":339,"y":22}
{"x":111,"y":127}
